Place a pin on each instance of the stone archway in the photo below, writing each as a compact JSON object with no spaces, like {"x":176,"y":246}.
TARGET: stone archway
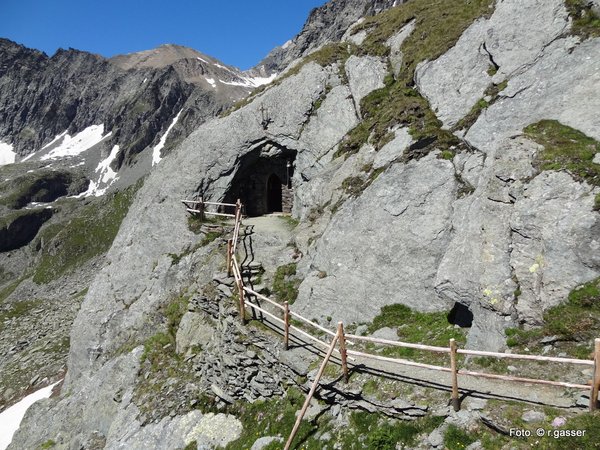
{"x":263,"y":180}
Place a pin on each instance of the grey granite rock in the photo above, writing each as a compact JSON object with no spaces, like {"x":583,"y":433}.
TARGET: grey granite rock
{"x":75,"y":415}
{"x":393,"y":149}
{"x":386,"y":333}
{"x":264,"y":441}
{"x":395,"y":44}
{"x":531,"y":416}
{"x":326,"y":127}
{"x":532,"y":95}
{"x":365,"y":74}
{"x":556,"y":238}
{"x":383,"y":229}
{"x":194,"y":330}
{"x":512,"y":39}
{"x":208,"y":430}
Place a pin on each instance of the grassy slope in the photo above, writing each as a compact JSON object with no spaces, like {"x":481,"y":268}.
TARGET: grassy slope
{"x":67,"y":245}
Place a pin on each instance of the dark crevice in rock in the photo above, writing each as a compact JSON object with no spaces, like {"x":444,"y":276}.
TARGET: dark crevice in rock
{"x":460,"y":315}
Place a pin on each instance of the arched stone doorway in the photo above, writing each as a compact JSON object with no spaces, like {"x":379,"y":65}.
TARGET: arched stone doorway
{"x":263,"y":180}
{"x":274,"y":198}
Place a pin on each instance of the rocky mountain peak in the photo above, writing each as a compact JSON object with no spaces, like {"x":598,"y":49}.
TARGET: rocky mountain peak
{"x":162,"y":56}
{"x":325,"y":24}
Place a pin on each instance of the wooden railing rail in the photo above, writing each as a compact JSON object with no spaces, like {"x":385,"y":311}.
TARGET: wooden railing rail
{"x":313,"y":388}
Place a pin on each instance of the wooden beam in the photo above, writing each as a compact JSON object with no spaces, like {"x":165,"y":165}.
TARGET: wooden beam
{"x":523,"y":380}
{"x":311,"y":393}
{"x":430,"y":348}
{"x":454,"y":374}
{"x":595,"y":377}
{"x":583,"y":362}
{"x":229,"y":248}
{"x":403,"y":362}
{"x":343,"y":354}
{"x":286,"y":325}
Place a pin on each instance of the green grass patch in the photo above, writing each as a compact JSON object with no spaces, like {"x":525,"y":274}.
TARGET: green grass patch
{"x":493,"y":365}
{"x":372,"y":431}
{"x":68,"y":245}
{"x":353,"y":186}
{"x":457,"y":439}
{"x":438,"y":25}
{"x":162,"y":344}
{"x":48,"y":444}
{"x":286,"y":283}
{"x":431,"y":328}
{"x":565,"y":149}
{"x":577,"y":320}
{"x":586,"y":23}
{"x":292,"y":222}
{"x":272,"y":418}
{"x":40,"y":186}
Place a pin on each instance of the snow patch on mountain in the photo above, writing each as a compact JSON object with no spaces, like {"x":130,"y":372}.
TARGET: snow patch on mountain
{"x":10,"y":419}
{"x":72,"y":146}
{"x":7,"y":156}
{"x":106,"y":178}
{"x":211,"y":81}
{"x":156,"y":158}
{"x":251,"y":81}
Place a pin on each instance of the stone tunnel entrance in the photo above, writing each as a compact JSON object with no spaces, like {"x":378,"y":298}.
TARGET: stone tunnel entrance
{"x":264,"y":181}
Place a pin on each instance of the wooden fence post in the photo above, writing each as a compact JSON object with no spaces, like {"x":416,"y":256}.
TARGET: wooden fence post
{"x":229,"y":254}
{"x":311,"y":392}
{"x":454,"y":373}
{"x":238,"y":209}
{"x":595,"y":377}
{"x":201,"y":209}
{"x":343,"y":354}
{"x":286,"y":325}
{"x":242,"y":302}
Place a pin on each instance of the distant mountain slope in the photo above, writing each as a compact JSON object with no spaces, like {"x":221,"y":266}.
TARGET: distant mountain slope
{"x":135,"y":97}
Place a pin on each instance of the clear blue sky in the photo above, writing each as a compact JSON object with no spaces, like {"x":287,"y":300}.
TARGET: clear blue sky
{"x":238,"y":32}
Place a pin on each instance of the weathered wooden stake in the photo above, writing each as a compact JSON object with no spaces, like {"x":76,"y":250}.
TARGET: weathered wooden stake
{"x":238,"y":209}
{"x":201,"y":209}
{"x":595,"y":377}
{"x":311,"y":393}
{"x":229,"y":254}
{"x":454,"y":374}
{"x":286,"y":325}
{"x":343,"y":353}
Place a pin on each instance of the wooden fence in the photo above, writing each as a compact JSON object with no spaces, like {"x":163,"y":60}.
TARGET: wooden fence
{"x":342,"y":339}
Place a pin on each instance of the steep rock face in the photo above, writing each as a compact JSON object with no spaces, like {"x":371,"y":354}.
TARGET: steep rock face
{"x":383,"y":235}
{"x":491,"y":49}
{"x":532,"y":95}
{"x":325,"y":24}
